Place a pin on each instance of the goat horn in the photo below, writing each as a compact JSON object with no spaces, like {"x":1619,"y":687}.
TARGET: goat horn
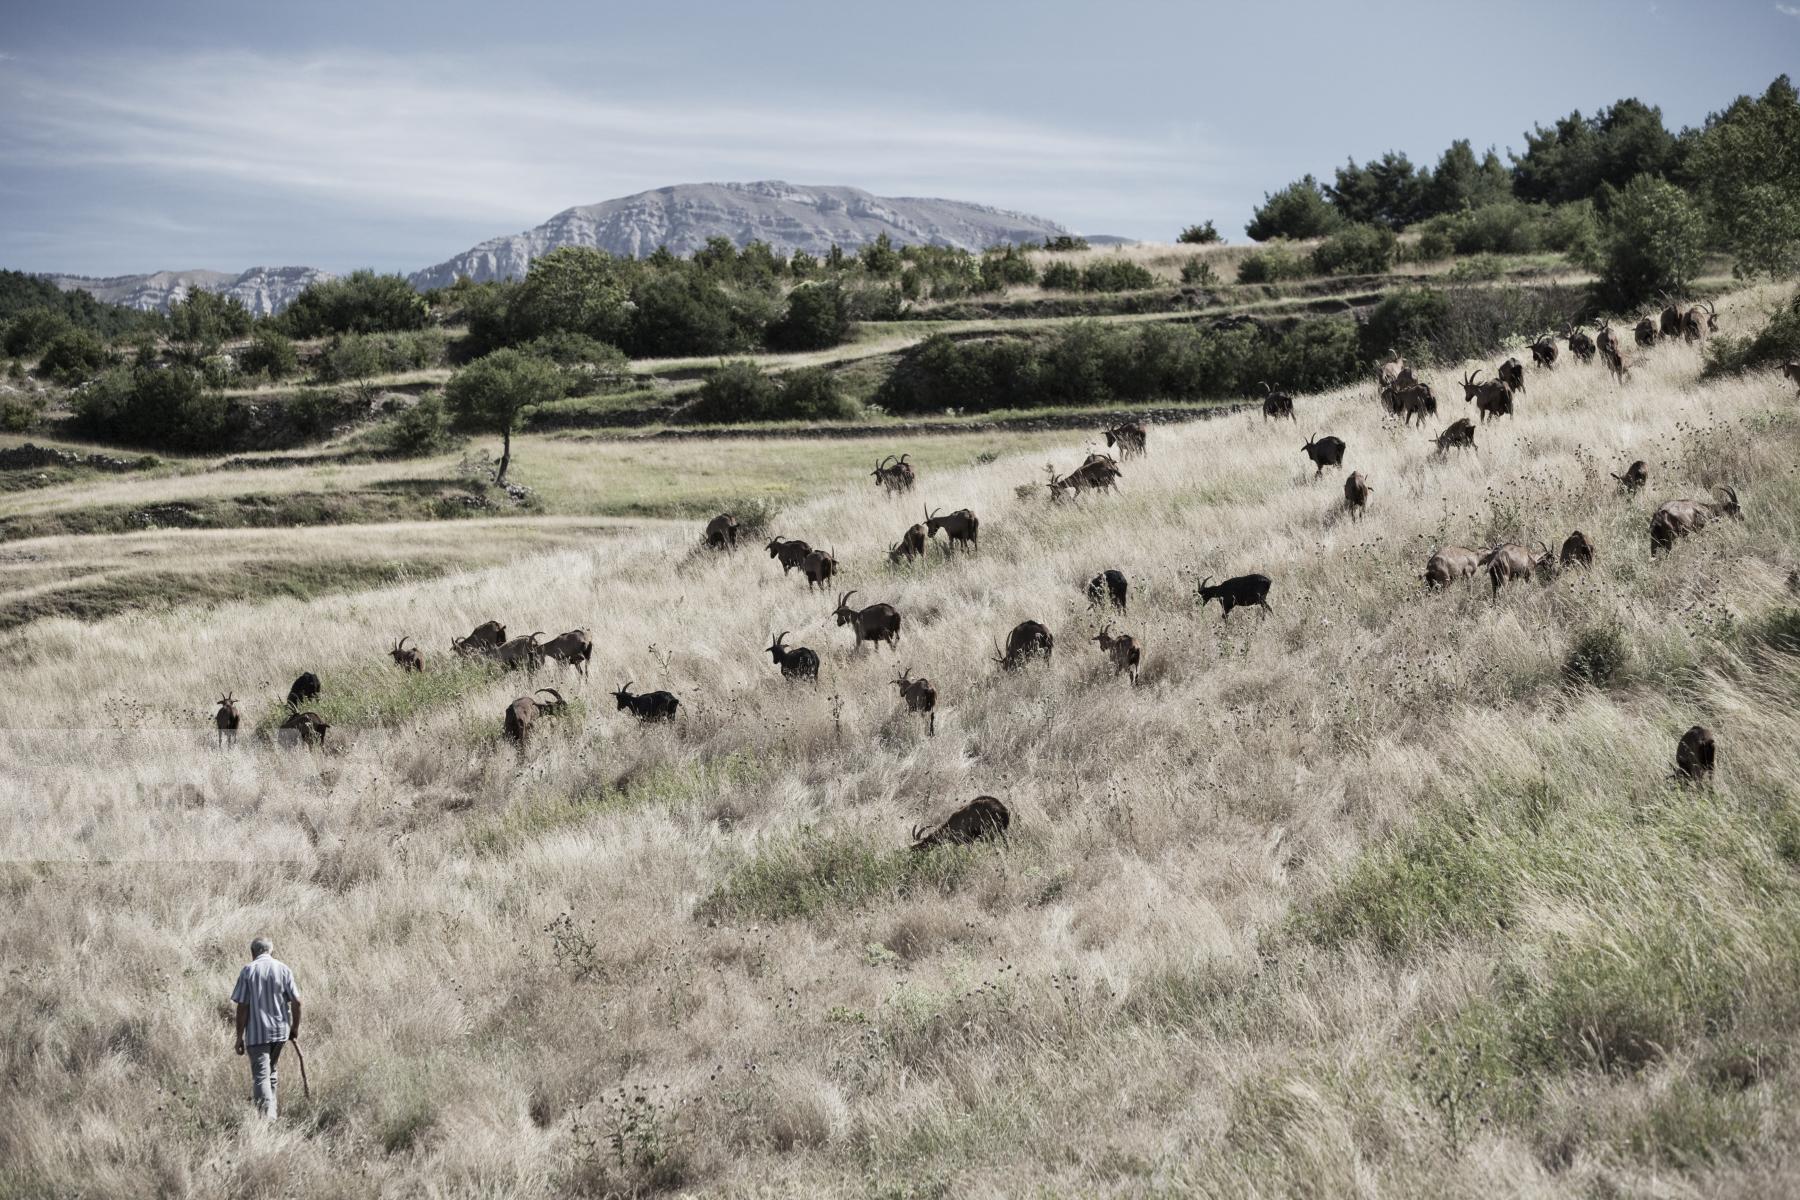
{"x":847,"y":595}
{"x":904,"y":457}
{"x":553,"y":692}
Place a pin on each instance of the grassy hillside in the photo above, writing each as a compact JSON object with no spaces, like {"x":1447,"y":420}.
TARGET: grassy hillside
{"x":1387,"y":893}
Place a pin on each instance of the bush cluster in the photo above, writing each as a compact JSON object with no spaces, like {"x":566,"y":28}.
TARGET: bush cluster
{"x":1272,"y":265}
{"x":361,"y":302}
{"x":1355,"y":250}
{"x":153,"y":406}
{"x":742,"y":391}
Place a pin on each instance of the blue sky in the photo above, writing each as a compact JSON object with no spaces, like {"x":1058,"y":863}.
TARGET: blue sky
{"x":138,"y":137}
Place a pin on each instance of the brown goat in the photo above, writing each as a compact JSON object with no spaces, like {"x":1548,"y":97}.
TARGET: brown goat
{"x":877,"y":623}
{"x":523,"y":713}
{"x":1390,"y":371}
{"x":819,"y":567}
{"x":1512,"y":374}
{"x":1646,"y":332}
{"x":980,"y":819}
{"x":1618,"y":363}
{"x":1122,"y":649}
{"x":1277,"y":404}
{"x":894,"y":474}
{"x":1027,"y":639}
{"x":521,"y":652}
{"x":1449,"y":563}
{"x":1678,"y":518}
{"x":485,"y":638}
{"x":1577,"y":550}
{"x":1510,"y":561}
{"x":961,"y":528}
{"x":1792,"y":371}
{"x":1694,"y":755}
{"x":573,"y":649}
{"x":1129,"y":438}
{"x":227,"y":720}
{"x":1543,"y":351}
{"x":910,"y":546}
{"x":1491,"y":397}
{"x":1580,"y":344}
{"x":405,"y":657}
{"x":796,"y":662}
{"x":1356,"y":494}
{"x":1700,"y":320}
{"x":1460,"y":434}
{"x":303,"y":728}
{"x":1635,"y":476}
{"x":920,"y":697}
{"x":721,"y":532}
{"x":1671,"y":320}
{"x":789,"y":553}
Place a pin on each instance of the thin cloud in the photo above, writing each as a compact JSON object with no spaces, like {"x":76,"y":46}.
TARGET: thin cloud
{"x":1788,"y":10}
{"x":451,"y":139}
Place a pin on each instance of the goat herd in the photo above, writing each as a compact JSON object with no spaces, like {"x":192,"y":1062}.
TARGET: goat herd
{"x":1401,"y":393}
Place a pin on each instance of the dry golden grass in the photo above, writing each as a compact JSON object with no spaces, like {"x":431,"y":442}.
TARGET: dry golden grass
{"x":697,"y":957}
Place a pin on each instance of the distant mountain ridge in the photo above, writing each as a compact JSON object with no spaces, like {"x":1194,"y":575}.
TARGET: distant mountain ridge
{"x":787,"y":216}
{"x":683,"y":217}
{"x":263,"y":290}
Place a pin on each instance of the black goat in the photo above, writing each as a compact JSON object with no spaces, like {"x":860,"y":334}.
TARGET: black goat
{"x":305,"y":688}
{"x":647,"y":706}
{"x":796,"y":662}
{"x":1242,"y":590}
{"x":1108,"y":587}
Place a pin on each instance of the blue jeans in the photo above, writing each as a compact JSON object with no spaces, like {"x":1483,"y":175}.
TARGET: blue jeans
{"x":263,"y":1056}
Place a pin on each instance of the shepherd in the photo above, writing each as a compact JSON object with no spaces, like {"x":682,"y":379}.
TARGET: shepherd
{"x":268,"y":1017}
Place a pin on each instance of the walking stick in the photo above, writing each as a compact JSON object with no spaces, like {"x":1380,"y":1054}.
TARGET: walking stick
{"x":305,"y":1087}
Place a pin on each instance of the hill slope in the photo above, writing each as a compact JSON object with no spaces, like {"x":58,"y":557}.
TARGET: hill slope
{"x":787,"y":216}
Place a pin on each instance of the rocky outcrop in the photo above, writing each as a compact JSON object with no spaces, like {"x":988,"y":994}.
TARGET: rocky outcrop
{"x":787,"y":216}
{"x":263,"y":290}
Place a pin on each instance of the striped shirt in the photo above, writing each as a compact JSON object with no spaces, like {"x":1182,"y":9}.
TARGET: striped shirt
{"x":265,"y":985}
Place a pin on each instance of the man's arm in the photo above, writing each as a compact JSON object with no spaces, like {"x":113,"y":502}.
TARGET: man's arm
{"x":294,"y":1018}
{"x":243,"y":1021}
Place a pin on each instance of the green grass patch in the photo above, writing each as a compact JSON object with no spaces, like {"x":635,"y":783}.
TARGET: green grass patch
{"x":815,"y":872}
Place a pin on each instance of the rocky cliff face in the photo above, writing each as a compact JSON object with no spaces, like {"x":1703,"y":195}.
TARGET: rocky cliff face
{"x":787,"y":216}
{"x":263,"y":290}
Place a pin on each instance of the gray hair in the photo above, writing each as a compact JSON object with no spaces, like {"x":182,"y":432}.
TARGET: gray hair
{"x":260,"y":946}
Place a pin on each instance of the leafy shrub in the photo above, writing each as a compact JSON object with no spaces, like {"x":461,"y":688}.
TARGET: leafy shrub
{"x":742,"y":391}
{"x":1065,"y":242}
{"x":203,"y":320}
{"x":1434,"y":244}
{"x":1116,"y":275}
{"x":1061,"y":277}
{"x":75,"y":355}
{"x":1006,"y":267}
{"x":880,"y":259}
{"x":361,"y":302}
{"x":352,"y":359}
{"x":1777,"y":342}
{"x":1651,"y":242}
{"x":684,"y":312}
{"x":1355,"y":250}
{"x":269,"y":354}
{"x":313,"y":412}
{"x":1272,"y":265}
{"x":817,"y":317}
{"x":19,"y":413}
{"x":167,"y":406}
{"x":588,"y":366}
{"x":1299,"y":210}
{"x":1597,"y":654}
{"x":32,"y":330}
{"x":1451,"y":324}
{"x":421,"y":429}
{"x":1199,"y":235}
{"x":1199,"y":273}
{"x":876,"y":303}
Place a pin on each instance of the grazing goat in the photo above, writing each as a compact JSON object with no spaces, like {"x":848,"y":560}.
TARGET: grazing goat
{"x":522,"y":713}
{"x":980,"y":819}
{"x":1324,"y":452}
{"x":796,"y":662}
{"x":721,"y":532}
{"x":1108,"y":587}
{"x":1678,"y":518}
{"x":1635,"y":476}
{"x":920,"y":697}
{"x":1510,"y":561}
{"x":1492,"y":398}
{"x":1792,"y":371}
{"x":227,"y":720}
{"x":572,"y":649}
{"x":789,"y":553}
{"x":305,"y":688}
{"x":1608,"y":342}
{"x":303,"y":728}
{"x":1700,"y":321}
{"x":1460,"y":434}
{"x":1129,"y":438}
{"x":647,"y":706}
{"x":1512,"y":374}
{"x":897,"y":477}
{"x":1671,"y":318}
{"x":1277,"y":404}
{"x":405,"y":657}
{"x":1645,"y":332}
{"x":1241,"y":590}
{"x":818,"y":567}
{"x":1580,"y":344}
{"x":1122,"y":649}
{"x":1450,"y":563}
{"x":877,"y":623}
{"x":1694,"y":755}
{"x":522,"y":652}
{"x":1356,"y":494}
{"x":1027,"y":639}
{"x":1415,"y":404}
{"x":1099,"y":474}
{"x":485,"y":638}
{"x":1543,"y":351}
{"x":1391,"y":370}
{"x":1618,"y":364}
{"x":910,"y":546}
{"x":961,"y":528}
{"x":1577,"y":550}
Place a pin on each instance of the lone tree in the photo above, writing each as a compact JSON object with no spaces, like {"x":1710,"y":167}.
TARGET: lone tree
{"x":493,"y":391}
